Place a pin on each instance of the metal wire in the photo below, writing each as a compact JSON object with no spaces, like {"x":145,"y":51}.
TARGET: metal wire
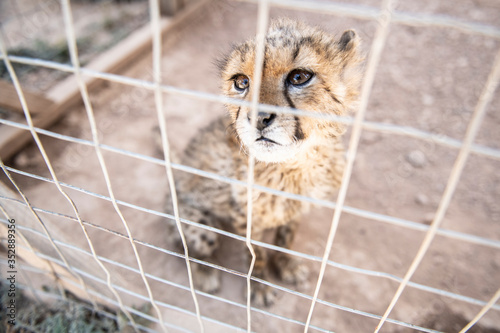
{"x":157,"y":41}
{"x":71,"y":40}
{"x":369,"y":76}
{"x":372,"y":13}
{"x":483,"y":311}
{"x":262,"y":20}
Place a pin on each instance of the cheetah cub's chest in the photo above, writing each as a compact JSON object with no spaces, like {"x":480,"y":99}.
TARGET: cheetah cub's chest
{"x":317,"y":176}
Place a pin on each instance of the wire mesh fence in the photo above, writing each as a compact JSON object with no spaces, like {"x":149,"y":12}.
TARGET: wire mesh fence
{"x":129,"y":274}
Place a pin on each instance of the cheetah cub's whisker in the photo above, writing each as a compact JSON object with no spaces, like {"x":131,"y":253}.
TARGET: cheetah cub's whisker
{"x":304,"y":68}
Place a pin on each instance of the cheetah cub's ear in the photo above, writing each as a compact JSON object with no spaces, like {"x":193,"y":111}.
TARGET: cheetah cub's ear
{"x":349,"y":41}
{"x":348,"y":46}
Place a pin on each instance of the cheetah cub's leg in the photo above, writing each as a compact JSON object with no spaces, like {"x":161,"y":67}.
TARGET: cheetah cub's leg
{"x":261,"y":294}
{"x":289,"y":269}
{"x":201,"y":244}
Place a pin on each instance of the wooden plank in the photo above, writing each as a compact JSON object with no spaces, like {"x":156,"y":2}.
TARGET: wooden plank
{"x":66,"y":94}
{"x":10,"y":100}
{"x":170,"y":7}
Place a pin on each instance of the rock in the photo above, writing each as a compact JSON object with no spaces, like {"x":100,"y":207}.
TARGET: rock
{"x":416,"y":158}
{"x":22,"y":160}
{"x":427,"y":99}
{"x":28,"y":158}
{"x":422,"y":199}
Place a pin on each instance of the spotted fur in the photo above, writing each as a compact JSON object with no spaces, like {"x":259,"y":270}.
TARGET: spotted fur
{"x":300,"y":155}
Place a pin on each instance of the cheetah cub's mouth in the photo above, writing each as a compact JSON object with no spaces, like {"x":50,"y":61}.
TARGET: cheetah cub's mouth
{"x":304,"y":68}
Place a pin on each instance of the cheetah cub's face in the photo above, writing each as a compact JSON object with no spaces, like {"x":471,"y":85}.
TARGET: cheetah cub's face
{"x":304,"y":68}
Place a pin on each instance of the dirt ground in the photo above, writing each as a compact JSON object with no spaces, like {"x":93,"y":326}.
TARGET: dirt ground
{"x":429,"y":78}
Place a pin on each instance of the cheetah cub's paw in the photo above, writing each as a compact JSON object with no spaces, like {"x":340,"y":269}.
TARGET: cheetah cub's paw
{"x":290,"y":270}
{"x":205,"y":278}
{"x":262,"y":295}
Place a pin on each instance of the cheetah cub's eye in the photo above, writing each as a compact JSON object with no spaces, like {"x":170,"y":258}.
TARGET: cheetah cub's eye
{"x":299,"y":77}
{"x":241,"y":82}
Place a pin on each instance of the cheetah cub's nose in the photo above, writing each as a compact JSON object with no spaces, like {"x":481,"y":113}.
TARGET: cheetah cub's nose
{"x":264,"y":119}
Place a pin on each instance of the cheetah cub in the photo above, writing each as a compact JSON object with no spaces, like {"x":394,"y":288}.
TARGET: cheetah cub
{"x":304,"y":68}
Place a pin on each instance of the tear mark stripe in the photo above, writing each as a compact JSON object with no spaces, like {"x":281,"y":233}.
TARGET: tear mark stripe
{"x":332,"y":95}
